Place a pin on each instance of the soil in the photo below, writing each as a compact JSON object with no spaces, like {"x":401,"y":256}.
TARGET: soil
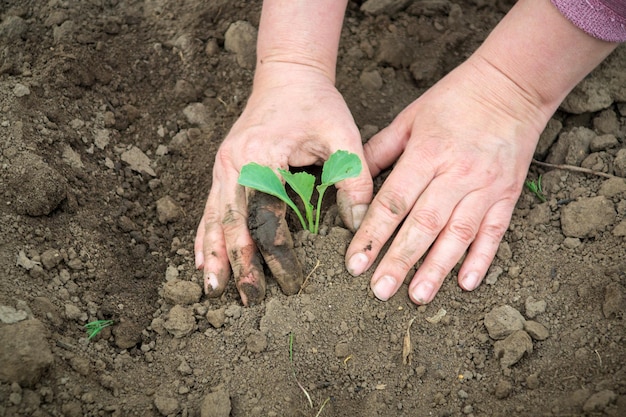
{"x":111,"y":113}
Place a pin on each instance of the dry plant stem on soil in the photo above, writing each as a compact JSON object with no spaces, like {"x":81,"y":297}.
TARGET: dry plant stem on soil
{"x":573,"y":168}
{"x":293,"y":370}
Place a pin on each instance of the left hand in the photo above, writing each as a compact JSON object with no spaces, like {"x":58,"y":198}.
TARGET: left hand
{"x":464,"y":149}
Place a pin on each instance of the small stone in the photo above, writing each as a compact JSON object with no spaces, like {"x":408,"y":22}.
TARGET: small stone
{"x":534,"y":307}
{"x":184,"y":368}
{"x":20,"y":90}
{"x":606,"y":122}
{"x":599,"y":401}
{"x":532,"y":381}
{"x":25,"y":353}
{"x":233,"y":311}
{"x":619,"y":163}
{"x":216,"y":318}
{"x":166,"y":405}
{"x":180,"y":321}
{"x":502,"y":321}
{"x":513,"y":348}
{"x":612,"y":187}
{"x":51,"y":258}
{"x":571,"y":242}
{"x":197,"y":114}
{"x":603,"y":143}
{"x":504,"y":251}
{"x":536,"y":330}
{"x":181,"y":292}
{"x":73,"y":313}
{"x":138,"y":161}
{"x":240,"y":38}
{"x":371,"y":80}
{"x":503,"y":389}
{"x":167,"y":210}
{"x":493,"y":275}
{"x":216,"y":404}
{"x":587,"y":216}
{"x":10,"y":315}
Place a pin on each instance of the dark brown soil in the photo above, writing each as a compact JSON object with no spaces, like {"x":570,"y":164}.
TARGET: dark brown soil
{"x":110,"y":115}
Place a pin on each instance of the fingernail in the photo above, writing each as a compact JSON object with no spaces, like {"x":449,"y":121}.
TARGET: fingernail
{"x":199,"y":260}
{"x":357,"y":264}
{"x":384,"y":288}
{"x":471,"y":280}
{"x":211,"y":279}
{"x":358,"y":213}
{"x":423,"y":292}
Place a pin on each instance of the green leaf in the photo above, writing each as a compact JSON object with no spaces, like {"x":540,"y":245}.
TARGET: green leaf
{"x":302,"y":183}
{"x":263,"y":178}
{"x":340,"y":166}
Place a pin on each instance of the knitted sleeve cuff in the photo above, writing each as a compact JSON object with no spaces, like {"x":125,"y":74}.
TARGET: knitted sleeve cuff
{"x":602,"y":19}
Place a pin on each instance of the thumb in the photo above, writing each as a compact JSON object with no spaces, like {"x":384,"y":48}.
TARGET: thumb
{"x":385,"y":147}
{"x":355,"y":194}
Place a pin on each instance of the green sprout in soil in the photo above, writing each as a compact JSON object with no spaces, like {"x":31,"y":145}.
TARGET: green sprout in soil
{"x":339,"y":166}
{"x":95,"y":327}
{"x":535,"y":188}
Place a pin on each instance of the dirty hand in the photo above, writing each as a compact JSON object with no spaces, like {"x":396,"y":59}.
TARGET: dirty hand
{"x":294,"y":117}
{"x":464,"y":148}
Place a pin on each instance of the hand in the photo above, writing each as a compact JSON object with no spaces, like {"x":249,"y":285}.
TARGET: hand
{"x":464,"y":148}
{"x":294,"y":117}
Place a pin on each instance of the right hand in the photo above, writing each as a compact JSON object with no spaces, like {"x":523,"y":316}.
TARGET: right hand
{"x":294,"y":117}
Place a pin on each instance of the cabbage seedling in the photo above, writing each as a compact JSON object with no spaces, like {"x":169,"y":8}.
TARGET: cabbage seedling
{"x":339,"y":166}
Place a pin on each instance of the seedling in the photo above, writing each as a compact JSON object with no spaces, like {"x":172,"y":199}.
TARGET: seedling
{"x":339,"y":166}
{"x":535,"y":188}
{"x":95,"y":327}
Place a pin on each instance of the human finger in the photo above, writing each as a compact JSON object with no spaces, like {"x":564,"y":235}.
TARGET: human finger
{"x":426,"y":220}
{"x":269,"y":230}
{"x":355,"y":194}
{"x":210,"y":248}
{"x":452,"y":242}
{"x":485,"y":245}
{"x":242,"y":252}
{"x":385,"y":147}
{"x":388,"y":209}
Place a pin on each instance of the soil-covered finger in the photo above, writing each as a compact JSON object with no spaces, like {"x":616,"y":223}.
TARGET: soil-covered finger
{"x":248,"y":272}
{"x":269,"y":230}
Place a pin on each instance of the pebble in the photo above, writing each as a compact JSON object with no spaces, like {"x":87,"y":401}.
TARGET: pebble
{"x":599,"y":401}
{"x":168,"y":211}
{"x":10,"y":315}
{"x":503,"y":321}
{"x":127,"y":334}
{"x":74,"y":313}
{"x":240,"y":38}
{"x":587,"y":216}
{"x":493,"y":275}
{"x":51,"y":258}
{"x":197,"y":114}
{"x":513,"y":348}
{"x":532,"y":381}
{"x":536,"y":330}
{"x":534,"y":307}
{"x":619,"y":163}
{"x":166,"y":405}
{"x":180,"y":322}
{"x":503,"y":389}
{"x":20,"y":90}
{"x":29,"y":338}
{"x":181,"y":292}
{"x":216,"y":318}
{"x":216,"y":404}
{"x":138,"y":161}
{"x":371,"y":80}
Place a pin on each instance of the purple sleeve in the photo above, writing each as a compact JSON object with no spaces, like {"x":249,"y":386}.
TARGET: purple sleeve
{"x":602,"y":19}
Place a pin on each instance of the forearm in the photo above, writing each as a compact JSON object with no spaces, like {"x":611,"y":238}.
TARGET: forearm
{"x":301,"y":32}
{"x":542,"y":52}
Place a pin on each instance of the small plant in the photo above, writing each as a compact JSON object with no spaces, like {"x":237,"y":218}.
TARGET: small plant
{"x":339,"y":166}
{"x":535,"y":188}
{"x":95,"y":327}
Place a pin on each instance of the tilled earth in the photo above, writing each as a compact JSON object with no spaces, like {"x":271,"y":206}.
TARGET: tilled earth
{"x":110,"y":115}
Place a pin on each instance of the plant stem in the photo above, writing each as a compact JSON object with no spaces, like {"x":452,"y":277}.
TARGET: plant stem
{"x":321,"y":189}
